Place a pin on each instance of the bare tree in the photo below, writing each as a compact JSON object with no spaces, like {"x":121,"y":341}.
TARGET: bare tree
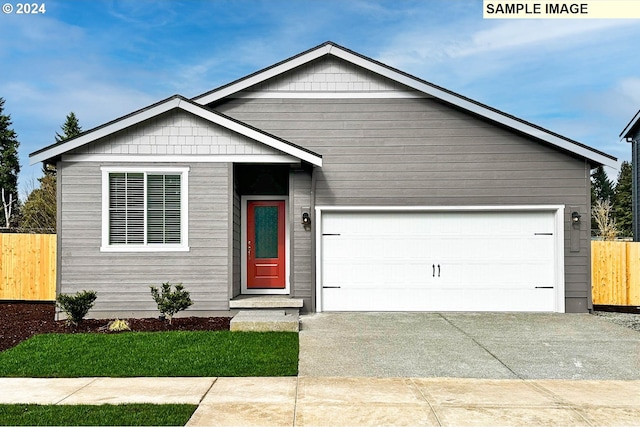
{"x":7,"y":207}
{"x":603,"y":217}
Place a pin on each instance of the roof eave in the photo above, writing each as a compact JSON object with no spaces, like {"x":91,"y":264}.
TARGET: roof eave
{"x":631,"y":131}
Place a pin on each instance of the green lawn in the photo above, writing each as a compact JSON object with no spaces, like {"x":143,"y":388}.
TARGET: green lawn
{"x":92,"y":415}
{"x":154,"y":354}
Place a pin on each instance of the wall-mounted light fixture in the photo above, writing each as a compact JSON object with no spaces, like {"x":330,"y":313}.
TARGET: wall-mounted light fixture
{"x":306,"y":219}
{"x":575,"y":217}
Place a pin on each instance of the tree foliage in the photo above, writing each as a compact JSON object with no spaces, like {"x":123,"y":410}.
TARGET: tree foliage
{"x":39,"y":210}
{"x":601,"y":185}
{"x":622,"y":201}
{"x":9,"y":170}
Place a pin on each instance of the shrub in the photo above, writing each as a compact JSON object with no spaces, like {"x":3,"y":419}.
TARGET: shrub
{"x":170,"y":302}
{"x":118,"y":325}
{"x":76,"y":306}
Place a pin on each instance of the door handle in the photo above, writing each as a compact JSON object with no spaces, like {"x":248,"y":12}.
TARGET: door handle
{"x":433,"y":266}
{"x":438,"y":270}
{"x":249,"y":248}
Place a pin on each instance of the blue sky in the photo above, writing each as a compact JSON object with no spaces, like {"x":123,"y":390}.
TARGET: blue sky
{"x":104,"y":59}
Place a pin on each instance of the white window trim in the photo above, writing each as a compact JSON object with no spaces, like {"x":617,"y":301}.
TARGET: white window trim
{"x":184,"y":209}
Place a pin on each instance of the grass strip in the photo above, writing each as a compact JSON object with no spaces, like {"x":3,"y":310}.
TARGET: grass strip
{"x":96,"y":415}
{"x":154,"y":354}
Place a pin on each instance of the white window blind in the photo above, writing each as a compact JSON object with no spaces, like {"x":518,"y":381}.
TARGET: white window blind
{"x":163,"y":209}
{"x":130,"y":223}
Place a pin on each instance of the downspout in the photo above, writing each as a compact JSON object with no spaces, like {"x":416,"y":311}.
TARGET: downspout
{"x":635,"y":208}
{"x":587,"y":167}
{"x":312,"y":210}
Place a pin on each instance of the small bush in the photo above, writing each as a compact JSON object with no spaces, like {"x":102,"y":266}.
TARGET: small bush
{"x":118,"y":325}
{"x":76,"y":306}
{"x":170,"y":302}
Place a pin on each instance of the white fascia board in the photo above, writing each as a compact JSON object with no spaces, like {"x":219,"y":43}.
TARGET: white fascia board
{"x":474,"y":108}
{"x":265,"y":75}
{"x":253,"y":134}
{"x":105,"y":131}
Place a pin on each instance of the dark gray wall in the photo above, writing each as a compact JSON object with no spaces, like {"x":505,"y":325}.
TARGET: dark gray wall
{"x":423,"y":152}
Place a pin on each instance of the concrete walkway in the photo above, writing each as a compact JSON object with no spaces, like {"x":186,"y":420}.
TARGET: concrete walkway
{"x":323,"y":401}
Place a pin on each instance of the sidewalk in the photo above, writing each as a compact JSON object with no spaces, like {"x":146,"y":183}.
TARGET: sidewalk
{"x":306,"y":401}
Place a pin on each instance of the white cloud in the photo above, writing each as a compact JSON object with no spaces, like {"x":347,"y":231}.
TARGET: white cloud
{"x":519,"y":35}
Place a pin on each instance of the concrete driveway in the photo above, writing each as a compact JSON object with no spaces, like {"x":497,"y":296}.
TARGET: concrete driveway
{"x":467,"y":345}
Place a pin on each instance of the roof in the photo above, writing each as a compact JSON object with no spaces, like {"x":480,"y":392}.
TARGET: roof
{"x":329,"y":48}
{"x":632,"y":129}
{"x":175,"y":102}
{"x":197,"y":105}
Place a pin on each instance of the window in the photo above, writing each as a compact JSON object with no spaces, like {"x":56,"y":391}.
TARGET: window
{"x":144,"y":210}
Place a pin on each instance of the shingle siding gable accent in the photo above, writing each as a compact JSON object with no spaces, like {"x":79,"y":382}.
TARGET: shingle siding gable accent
{"x":329,"y":74}
{"x":176,"y":133}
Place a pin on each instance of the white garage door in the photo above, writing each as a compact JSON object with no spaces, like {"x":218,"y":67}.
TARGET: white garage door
{"x":438,"y":261}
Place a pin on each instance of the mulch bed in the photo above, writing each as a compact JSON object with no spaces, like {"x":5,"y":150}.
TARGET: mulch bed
{"x":22,"y":320}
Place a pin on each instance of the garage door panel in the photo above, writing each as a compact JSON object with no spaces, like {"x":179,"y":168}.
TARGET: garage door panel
{"x":437,"y":300}
{"x":412,"y":261}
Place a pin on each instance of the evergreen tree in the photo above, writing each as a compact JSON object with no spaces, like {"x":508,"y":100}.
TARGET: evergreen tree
{"x":622,"y":201}
{"x":70,"y":128}
{"x":602,"y":186}
{"x":9,"y":170}
{"x":39,"y":211}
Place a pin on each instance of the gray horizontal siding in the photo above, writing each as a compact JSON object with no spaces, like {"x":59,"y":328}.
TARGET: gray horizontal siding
{"x":422,"y":152}
{"x":122,"y":280}
{"x":300,"y":197}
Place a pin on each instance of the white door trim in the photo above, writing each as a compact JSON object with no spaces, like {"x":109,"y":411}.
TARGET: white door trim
{"x":559,"y":233}
{"x":243,"y":247}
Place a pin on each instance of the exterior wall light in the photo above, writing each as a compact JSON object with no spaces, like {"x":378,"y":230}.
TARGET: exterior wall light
{"x":575,"y":217}
{"x":306,"y":219}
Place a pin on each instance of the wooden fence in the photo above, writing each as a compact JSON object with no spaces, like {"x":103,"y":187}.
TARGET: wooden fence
{"x":615,"y":273}
{"x":28,"y":267}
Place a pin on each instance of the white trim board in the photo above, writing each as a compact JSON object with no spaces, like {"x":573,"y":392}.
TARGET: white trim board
{"x":181,"y":158}
{"x":558,"y":211}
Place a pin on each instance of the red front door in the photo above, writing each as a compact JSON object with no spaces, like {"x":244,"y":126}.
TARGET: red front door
{"x":265,"y":244}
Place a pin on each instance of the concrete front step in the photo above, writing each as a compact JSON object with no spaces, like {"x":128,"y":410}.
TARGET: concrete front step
{"x":265,"y":321}
{"x":265,"y":302}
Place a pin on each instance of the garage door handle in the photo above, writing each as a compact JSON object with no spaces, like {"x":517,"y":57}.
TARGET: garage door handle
{"x":438,"y":270}
{"x":433,"y":266}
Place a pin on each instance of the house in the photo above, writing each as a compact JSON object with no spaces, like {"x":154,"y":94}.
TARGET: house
{"x":631,"y":133}
{"x":331,"y":179}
